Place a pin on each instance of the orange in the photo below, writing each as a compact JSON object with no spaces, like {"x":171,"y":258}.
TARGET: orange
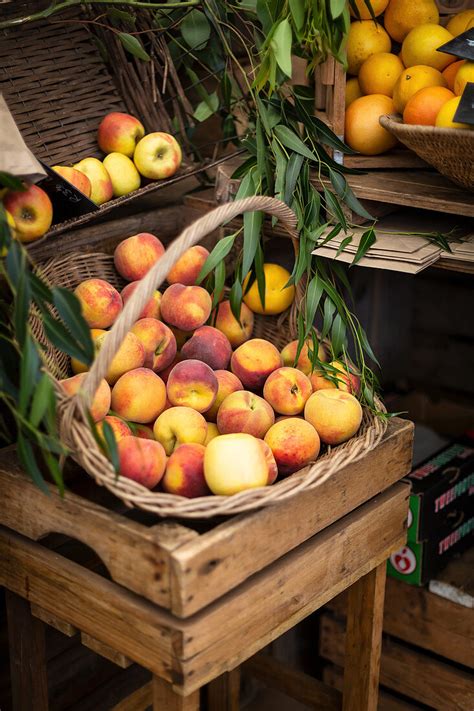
{"x":412,"y":80}
{"x":464,"y":75}
{"x":401,"y":16}
{"x":379,"y":73}
{"x":423,"y":107}
{"x":378,"y":6}
{"x":421,"y":44}
{"x":277,"y":297}
{"x":461,"y":22}
{"x":446,"y":113}
{"x":450,"y":72}
{"x":365,"y":37}
{"x":363,"y":131}
{"x":353,"y":90}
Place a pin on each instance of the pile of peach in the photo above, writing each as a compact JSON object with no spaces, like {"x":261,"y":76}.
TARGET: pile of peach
{"x":198,"y":408}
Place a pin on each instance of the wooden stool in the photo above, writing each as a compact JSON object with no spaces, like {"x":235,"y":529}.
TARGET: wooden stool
{"x":192,"y":603}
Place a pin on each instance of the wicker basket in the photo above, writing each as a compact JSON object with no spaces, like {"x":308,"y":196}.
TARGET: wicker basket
{"x":74,"y":427}
{"x":448,"y":150}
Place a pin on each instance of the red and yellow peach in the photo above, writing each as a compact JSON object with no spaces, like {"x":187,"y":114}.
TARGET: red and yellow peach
{"x":287,"y":390}
{"x":294,"y":443}
{"x":304,"y":361}
{"x":335,"y":415}
{"x":136,"y":255}
{"x":158,"y":341}
{"x":139,"y":395}
{"x":185,"y":307}
{"x":179,"y":425}
{"x":227,"y":383}
{"x":192,"y":383}
{"x":119,"y":428}
{"x":101,"y":400}
{"x":236,"y":332}
{"x":152,"y":308}
{"x":129,"y":356}
{"x":243,"y":411}
{"x":209,"y":345}
{"x":100,"y":302}
{"x":184,"y":475}
{"x":186,"y":269}
{"x":143,"y":460}
{"x":253,"y":362}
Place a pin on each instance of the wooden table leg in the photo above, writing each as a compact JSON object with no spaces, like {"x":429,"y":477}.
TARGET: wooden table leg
{"x":223,"y":693}
{"x":166,"y":699}
{"x":364,"y":641}
{"x":28,"y":671}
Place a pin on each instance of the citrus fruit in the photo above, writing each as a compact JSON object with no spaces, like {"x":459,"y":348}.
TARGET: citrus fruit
{"x":378,"y":6}
{"x":423,"y":107}
{"x":277,"y":297}
{"x":464,"y":75}
{"x":379,"y":73}
{"x":353,"y":90}
{"x":421,"y":43}
{"x":461,"y":22}
{"x":412,"y":80}
{"x":446,"y":113}
{"x":365,"y":37}
{"x":363,"y":131}
{"x":401,"y":16}
{"x":450,"y":72}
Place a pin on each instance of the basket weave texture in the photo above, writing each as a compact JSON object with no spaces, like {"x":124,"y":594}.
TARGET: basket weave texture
{"x":448,"y":150}
{"x":75,"y":430}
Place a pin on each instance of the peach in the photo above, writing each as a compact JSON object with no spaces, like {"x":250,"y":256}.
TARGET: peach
{"x":136,"y":255}
{"x":209,"y":345}
{"x":78,"y":366}
{"x":192,"y":383}
{"x":152,"y":308}
{"x":31,"y":210}
{"x":212,"y":432}
{"x":143,"y":460}
{"x":271,"y":462}
{"x":227,"y":383}
{"x":119,"y":132}
{"x":236,"y":332}
{"x":101,"y":400}
{"x":139,"y":395}
{"x":347,"y":381}
{"x":287,"y":390}
{"x":179,"y":425}
{"x":253,"y":362}
{"x":243,"y":411}
{"x":181,"y":336}
{"x":118,"y":427}
{"x":184,"y":475}
{"x":129,"y":356}
{"x":235,"y":462}
{"x":165,"y":373}
{"x":100,"y":302}
{"x":101,"y":185}
{"x":75,"y":177}
{"x":334,"y":414}
{"x":158,"y":341}
{"x":186,"y":307}
{"x":186,"y":269}
{"x":304,"y":362}
{"x":143,"y":431}
{"x":294,"y":443}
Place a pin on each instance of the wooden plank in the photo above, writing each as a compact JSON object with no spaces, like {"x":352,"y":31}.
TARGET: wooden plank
{"x":53,"y":621}
{"x":223,"y":693}
{"x":166,"y":699}
{"x":456,"y":584}
{"x":104,"y":650}
{"x":135,"y":556}
{"x":334,"y":677}
{"x":364,"y":641}
{"x":140,"y":700}
{"x":293,"y":683}
{"x":209,"y":566}
{"x":409,"y":672}
{"x":29,"y":681}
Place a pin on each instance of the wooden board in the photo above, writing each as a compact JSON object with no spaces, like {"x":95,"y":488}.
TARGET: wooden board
{"x":409,"y":672}
{"x":333,"y":676}
{"x":189,"y":653}
{"x":175,"y":566}
{"x":456,"y":584}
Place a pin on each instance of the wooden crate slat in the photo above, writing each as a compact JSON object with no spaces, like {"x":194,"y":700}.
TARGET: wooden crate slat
{"x":333,"y":676}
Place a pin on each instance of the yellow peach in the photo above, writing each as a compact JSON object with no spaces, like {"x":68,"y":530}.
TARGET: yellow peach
{"x":287,"y":390}
{"x":209,"y":345}
{"x":253,"y":362}
{"x":158,"y":341}
{"x":294,"y":443}
{"x":143,"y":460}
{"x":243,"y":411}
{"x":185,"y":307}
{"x":212,"y":432}
{"x":129,"y":356}
{"x":101,"y":400}
{"x":186,"y":269}
{"x":236,"y":332}
{"x":192,"y":383}
{"x":100,"y":302}
{"x":184,"y":475}
{"x":152,"y":308}
{"x":119,"y":428}
{"x":235,"y":462}
{"x":227,"y":383}
{"x":335,"y":415}
{"x":139,"y":395}
{"x":136,"y":255}
{"x":346,"y":380}
{"x":179,"y":425}
{"x":304,"y":361}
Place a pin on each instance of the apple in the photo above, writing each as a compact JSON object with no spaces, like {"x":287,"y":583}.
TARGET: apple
{"x":157,"y":156}
{"x":123,"y":174}
{"x":101,"y":185}
{"x":75,"y":177}
{"x":31,"y":210}
{"x":119,"y":133}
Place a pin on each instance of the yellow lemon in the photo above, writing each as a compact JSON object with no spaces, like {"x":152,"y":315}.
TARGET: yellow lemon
{"x":365,"y":37}
{"x":465,"y":74}
{"x":379,"y":73}
{"x":421,"y":44}
{"x":461,"y":22}
{"x":401,"y":16}
{"x":378,"y":6}
{"x":277,"y":297}
{"x":412,"y":80}
{"x":446,"y":113}
{"x":353,"y":90}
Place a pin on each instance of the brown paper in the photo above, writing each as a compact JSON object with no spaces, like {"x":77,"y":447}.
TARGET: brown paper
{"x":15,"y":156}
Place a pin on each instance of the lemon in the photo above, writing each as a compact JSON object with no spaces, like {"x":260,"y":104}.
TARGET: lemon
{"x":379,"y":73}
{"x":277,"y":297}
{"x":465,"y":74}
{"x":446,"y":113}
{"x":421,"y":44}
{"x":365,"y":37}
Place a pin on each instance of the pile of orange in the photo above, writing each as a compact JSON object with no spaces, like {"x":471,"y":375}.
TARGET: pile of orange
{"x":394,"y":67}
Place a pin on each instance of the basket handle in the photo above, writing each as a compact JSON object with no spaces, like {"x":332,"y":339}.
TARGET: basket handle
{"x":157,"y":274}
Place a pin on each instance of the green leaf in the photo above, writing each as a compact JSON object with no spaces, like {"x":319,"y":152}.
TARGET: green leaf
{"x":342,"y":188}
{"x":54,"y":470}
{"x":260,"y":274}
{"x":337,"y":8}
{"x":195,"y":29}
{"x":235,"y":298}
{"x":263,"y":115}
{"x":338,"y":335}
{"x":247,"y":186}
{"x":366,"y":345}
{"x":134,"y":46}
{"x":69,"y":310}
{"x":122,"y":15}
{"x":40,"y":291}
{"x":62,"y":339}
{"x":219,"y":282}
{"x":29,"y":373}
{"x":280,"y":171}
{"x":366,"y":242}
{"x":281,"y":45}
{"x":264,"y":15}
{"x":243,"y":169}
{"x":22,"y":305}
{"x":343,"y":245}
{"x":207,"y":108}
{"x":314,"y":291}
{"x":334,"y":208}
{"x":28,"y":462}
{"x":297,"y":13}
{"x":328,"y":313}
{"x":226,"y":90}
{"x":218,"y":254}
{"x":42,"y":397}
{"x":261,"y":152}
{"x":292,"y":141}
{"x":292,"y":173}
{"x":7,"y":180}
{"x":252,"y":229}
{"x":111,"y":446}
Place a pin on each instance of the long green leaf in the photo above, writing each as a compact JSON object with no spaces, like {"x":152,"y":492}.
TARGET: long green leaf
{"x":260,"y":274}
{"x":297,"y":10}
{"x":134,"y":46}
{"x":219,"y":282}
{"x":366,"y":242}
{"x":206,"y":108}
{"x":338,"y":335}
{"x":343,"y":245}
{"x":344,"y":191}
{"x":111,"y":446}
{"x":235,"y":298}
{"x":334,"y":207}
{"x":252,"y":230}
{"x":292,"y":141}
{"x":69,"y":309}
{"x":62,"y":339}
{"x":281,"y":45}
{"x":242,"y":170}
{"x":292,"y":173}
{"x":29,"y":373}
{"x":314,"y":291}
{"x":22,"y":305}
{"x":28,"y":462}
{"x":328,"y":314}
{"x":41,"y":400}
{"x":195,"y":29}
{"x":218,"y":254}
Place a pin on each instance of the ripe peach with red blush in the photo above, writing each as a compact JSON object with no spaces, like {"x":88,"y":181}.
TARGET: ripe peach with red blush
{"x":227,"y":383}
{"x":237,"y":332}
{"x":304,"y":361}
{"x":192,"y":383}
{"x":129,"y":356}
{"x":152,"y":308}
{"x":143,"y":460}
{"x":287,"y":390}
{"x":158,"y":341}
{"x":186,"y":269}
{"x":100,"y":302}
{"x":102,"y":397}
{"x":294,"y":443}
{"x":209,"y":345}
{"x":119,"y":428}
{"x":184,"y":475}
{"x":179,"y":425}
{"x":136,"y":255}
{"x":243,"y":411}
{"x":253,"y":362}
{"x":336,"y":415}
{"x":185,"y":307}
{"x":139,"y":395}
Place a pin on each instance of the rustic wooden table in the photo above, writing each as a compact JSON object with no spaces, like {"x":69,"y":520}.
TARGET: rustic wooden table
{"x":192,"y":602}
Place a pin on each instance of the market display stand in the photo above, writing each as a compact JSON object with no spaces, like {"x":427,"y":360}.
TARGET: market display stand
{"x":192,"y":602}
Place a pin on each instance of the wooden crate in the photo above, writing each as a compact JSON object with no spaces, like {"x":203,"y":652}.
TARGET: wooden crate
{"x":330,"y":90}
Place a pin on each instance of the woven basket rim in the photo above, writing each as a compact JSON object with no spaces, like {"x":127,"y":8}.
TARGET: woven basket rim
{"x":394,"y":124}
